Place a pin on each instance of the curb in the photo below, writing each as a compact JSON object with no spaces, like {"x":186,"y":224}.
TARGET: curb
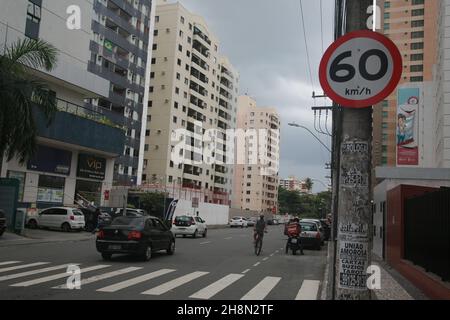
{"x":324,"y":284}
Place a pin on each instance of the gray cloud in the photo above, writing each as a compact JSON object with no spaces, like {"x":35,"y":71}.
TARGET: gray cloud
{"x":264,"y":40}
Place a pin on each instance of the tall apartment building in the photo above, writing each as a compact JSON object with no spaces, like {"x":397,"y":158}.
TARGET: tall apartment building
{"x":412,"y":26}
{"x":121,"y":36}
{"x":255,"y":186}
{"x":193,"y":90}
{"x":76,"y":153}
{"x":294,"y":184}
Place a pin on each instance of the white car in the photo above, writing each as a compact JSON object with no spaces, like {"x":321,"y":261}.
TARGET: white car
{"x":189,"y":226}
{"x":319,"y":227}
{"x":63,"y":218}
{"x":238,"y":222}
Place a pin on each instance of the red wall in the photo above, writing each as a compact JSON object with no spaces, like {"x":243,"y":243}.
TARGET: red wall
{"x":395,"y":242}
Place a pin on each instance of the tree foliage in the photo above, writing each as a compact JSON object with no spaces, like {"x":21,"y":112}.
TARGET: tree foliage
{"x":20,"y":92}
{"x":153,"y":203}
{"x":304,"y":205}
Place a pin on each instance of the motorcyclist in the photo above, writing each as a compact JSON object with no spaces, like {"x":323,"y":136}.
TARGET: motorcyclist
{"x":260,"y":227}
{"x":294,"y":230}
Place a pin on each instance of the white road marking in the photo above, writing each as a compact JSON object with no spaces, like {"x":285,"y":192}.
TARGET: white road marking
{"x":56,"y":276}
{"x":265,"y":259}
{"x":29,"y":273}
{"x":228,"y":238}
{"x":262,"y":289}
{"x":134,"y":281}
{"x":309,"y":290}
{"x":102,"y":276}
{"x":8,"y":262}
{"x":245,"y":271}
{"x":165,"y":287}
{"x":216,"y":287}
{"x":23,"y":266}
{"x":257,"y":264}
{"x":206,"y":242}
{"x":272,"y":254}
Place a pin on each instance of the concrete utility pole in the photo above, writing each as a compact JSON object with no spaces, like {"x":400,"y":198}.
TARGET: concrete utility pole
{"x":352,"y":179}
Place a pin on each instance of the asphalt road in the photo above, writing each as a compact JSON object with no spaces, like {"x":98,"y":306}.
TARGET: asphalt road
{"x":222,"y":266}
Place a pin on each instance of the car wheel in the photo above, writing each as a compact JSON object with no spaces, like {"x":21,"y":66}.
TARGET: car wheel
{"x":204,"y":233}
{"x":195,"y":234}
{"x":171,"y":249}
{"x":106,"y":256}
{"x":147,"y":255}
{"x":32,"y":224}
{"x":66,"y":227}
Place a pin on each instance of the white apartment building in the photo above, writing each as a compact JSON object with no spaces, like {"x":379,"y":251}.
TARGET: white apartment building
{"x":255,"y":186}
{"x":193,"y":90}
{"x":294,"y":184}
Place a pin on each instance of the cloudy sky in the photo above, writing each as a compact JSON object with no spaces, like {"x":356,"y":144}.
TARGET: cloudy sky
{"x":264,"y":41}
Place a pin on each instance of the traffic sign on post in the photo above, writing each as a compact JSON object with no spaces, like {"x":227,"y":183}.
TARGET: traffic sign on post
{"x":360,"y":69}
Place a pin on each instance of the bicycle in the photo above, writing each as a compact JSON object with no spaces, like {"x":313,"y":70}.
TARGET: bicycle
{"x":258,"y":244}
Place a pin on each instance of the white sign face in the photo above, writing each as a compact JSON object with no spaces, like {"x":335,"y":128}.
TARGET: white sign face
{"x":360,"y":69}
{"x":353,"y":257}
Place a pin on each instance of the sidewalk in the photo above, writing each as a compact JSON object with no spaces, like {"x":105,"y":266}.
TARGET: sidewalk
{"x":393,"y":285}
{"x":37,"y":236}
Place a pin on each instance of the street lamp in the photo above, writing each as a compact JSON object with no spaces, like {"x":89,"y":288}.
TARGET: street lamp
{"x":303,"y":127}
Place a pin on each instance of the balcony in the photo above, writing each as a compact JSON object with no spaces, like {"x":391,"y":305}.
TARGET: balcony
{"x":80,"y":126}
{"x":201,"y":35}
{"x":198,"y":61}
{"x":200,"y":76}
{"x":199,"y":47}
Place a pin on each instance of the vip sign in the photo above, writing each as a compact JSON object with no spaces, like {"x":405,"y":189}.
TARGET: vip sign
{"x":91,"y":167}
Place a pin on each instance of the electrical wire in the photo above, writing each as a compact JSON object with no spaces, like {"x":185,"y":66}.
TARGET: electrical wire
{"x":306,"y":45}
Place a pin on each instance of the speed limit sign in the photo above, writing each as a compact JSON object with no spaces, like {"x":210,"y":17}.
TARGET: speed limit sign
{"x":360,"y":69}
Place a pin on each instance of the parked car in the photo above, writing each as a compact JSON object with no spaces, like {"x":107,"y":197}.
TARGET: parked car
{"x":319,"y":227}
{"x":64,"y":218}
{"x":251,"y":221}
{"x":273,"y":222}
{"x":189,"y":226}
{"x":2,"y":222}
{"x":238,"y":222}
{"x":310,"y":235}
{"x":140,"y":236}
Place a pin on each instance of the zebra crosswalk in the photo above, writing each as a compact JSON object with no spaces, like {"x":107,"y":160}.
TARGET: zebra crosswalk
{"x":108,"y":279}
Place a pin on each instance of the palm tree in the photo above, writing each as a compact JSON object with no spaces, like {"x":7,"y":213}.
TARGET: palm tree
{"x":309,"y":184}
{"x":20,"y":92}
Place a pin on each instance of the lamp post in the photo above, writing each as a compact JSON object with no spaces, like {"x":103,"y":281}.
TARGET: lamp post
{"x":303,"y":127}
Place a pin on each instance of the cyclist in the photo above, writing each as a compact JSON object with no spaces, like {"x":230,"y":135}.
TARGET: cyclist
{"x":260,"y":227}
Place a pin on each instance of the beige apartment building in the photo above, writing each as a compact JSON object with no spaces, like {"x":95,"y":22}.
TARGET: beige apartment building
{"x":255,"y":184}
{"x":412,"y":25}
{"x":294,"y":184}
{"x":193,"y":90}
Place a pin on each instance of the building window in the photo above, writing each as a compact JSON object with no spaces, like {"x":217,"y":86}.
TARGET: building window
{"x":175,"y":119}
{"x":417,"y":23}
{"x":385,"y":114}
{"x":152,"y":75}
{"x":153,"y":60}
{"x":175,"y":105}
{"x":33,"y":20}
{"x":177,"y":90}
{"x":155,"y":33}
{"x":387,"y":4}
{"x":417,"y":57}
{"x":417,"y":2}
{"x":417,"y":12}
{"x":180,"y":48}
{"x":416,"y":68}
{"x":146,"y":147}
{"x":179,"y":62}
{"x":416,"y":79}
{"x":155,"y":46}
{"x":417,"y":34}
{"x":156,"y":18}
{"x":182,"y":19}
{"x":178,"y":76}
{"x":417,"y":45}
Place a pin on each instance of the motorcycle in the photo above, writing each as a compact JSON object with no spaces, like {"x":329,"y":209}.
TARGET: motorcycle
{"x":294,"y":244}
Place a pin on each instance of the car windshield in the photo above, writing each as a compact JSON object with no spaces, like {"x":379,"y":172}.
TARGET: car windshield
{"x":128,"y":221}
{"x":308,"y":227}
{"x":77,"y":213}
{"x":237,"y":218}
{"x":184,"y":219}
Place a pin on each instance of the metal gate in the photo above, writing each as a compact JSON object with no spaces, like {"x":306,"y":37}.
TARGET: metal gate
{"x":427,"y":232}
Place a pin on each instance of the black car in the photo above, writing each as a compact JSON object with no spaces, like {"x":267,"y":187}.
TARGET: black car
{"x":2,"y":222}
{"x":140,"y":236}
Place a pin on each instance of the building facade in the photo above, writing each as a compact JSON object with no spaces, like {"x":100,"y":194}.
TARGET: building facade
{"x":76,"y":153}
{"x":412,"y":26}
{"x":256,"y":181}
{"x":193,"y":91}
{"x":121,"y":36}
{"x":294,"y":184}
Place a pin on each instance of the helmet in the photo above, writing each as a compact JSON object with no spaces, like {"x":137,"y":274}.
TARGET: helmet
{"x":261,"y":216}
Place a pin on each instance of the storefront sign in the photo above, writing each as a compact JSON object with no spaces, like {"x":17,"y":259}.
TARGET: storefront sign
{"x":51,"y":160}
{"x":50,"y":195}
{"x":91,"y":167}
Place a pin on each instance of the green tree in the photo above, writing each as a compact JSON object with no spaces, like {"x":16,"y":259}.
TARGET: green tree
{"x":20,"y":92}
{"x":153,"y":203}
{"x":309,"y":184}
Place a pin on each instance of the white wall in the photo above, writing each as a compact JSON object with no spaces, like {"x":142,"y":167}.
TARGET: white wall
{"x":213,"y":214}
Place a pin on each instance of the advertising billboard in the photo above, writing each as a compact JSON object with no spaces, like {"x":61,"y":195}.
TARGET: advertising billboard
{"x":51,"y":160}
{"x":91,"y":167}
{"x":408,"y":126}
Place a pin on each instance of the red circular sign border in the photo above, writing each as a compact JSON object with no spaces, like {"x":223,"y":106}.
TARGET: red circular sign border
{"x":396,"y":75}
